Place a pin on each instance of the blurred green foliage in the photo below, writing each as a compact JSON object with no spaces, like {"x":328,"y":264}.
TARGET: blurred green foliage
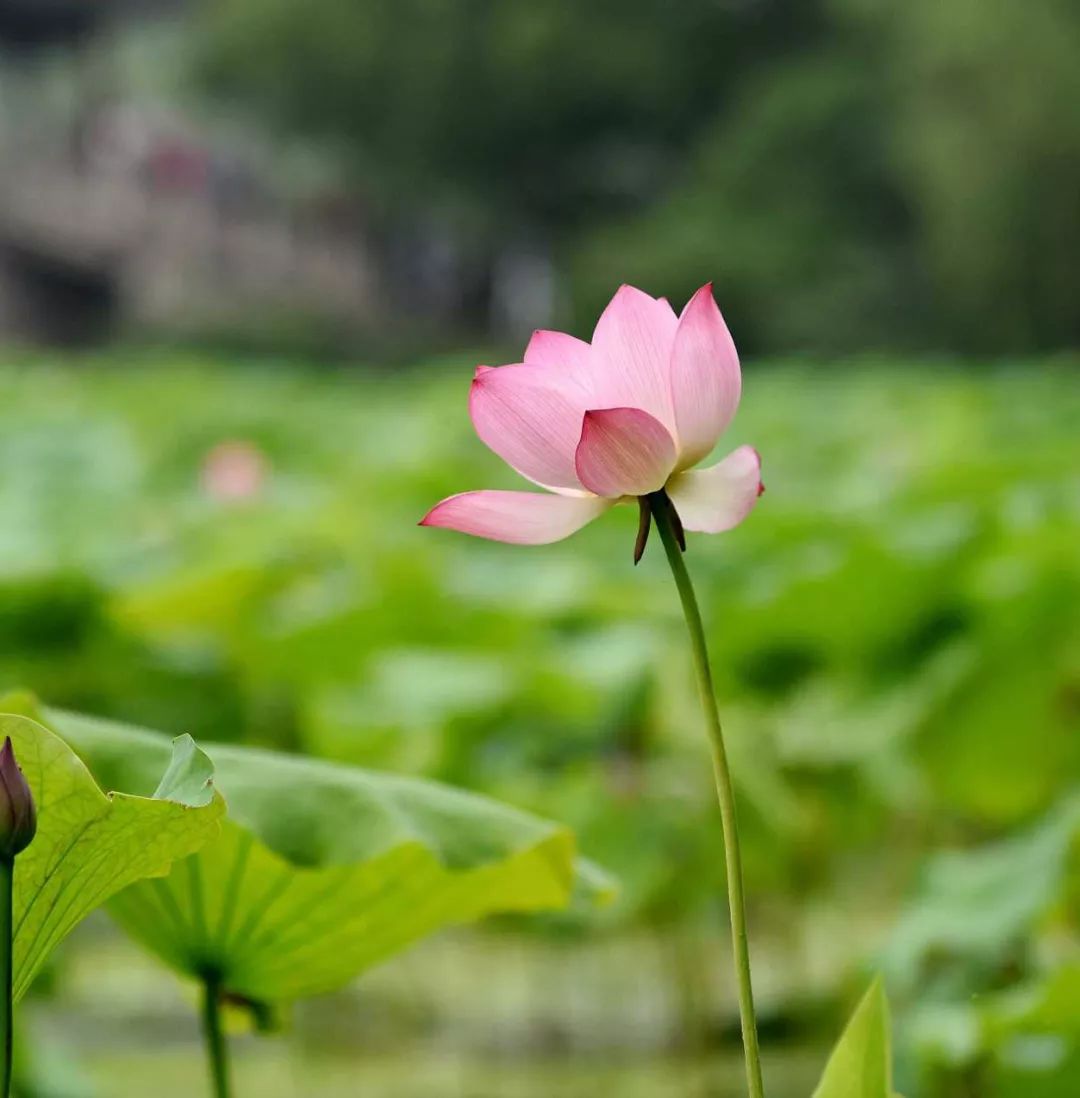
{"x":851,"y":173}
{"x":895,"y":634}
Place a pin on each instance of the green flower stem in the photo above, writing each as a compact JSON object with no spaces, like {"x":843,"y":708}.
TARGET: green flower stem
{"x":666,"y":524}
{"x":217,"y":1049}
{"x":7,"y":875}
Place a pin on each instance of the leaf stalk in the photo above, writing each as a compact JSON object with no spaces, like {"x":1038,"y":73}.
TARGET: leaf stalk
{"x":7,"y":876}
{"x":217,"y":1048}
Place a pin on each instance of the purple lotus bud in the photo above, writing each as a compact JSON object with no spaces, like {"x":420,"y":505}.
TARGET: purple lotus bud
{"x":18,"y":816}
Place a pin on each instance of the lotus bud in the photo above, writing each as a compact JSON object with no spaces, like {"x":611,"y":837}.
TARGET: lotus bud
{"x":18,"y":816}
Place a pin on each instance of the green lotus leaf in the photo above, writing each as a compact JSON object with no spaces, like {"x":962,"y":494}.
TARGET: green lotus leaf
{"x":861,"y":1063}
{"x":90,"y":845}
{"x":322,"y":870}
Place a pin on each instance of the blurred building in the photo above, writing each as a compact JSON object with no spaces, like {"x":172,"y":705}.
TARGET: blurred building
{"x":119,"y":213}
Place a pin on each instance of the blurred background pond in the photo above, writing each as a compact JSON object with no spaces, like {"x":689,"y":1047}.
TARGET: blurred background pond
{"x":249,"y":254}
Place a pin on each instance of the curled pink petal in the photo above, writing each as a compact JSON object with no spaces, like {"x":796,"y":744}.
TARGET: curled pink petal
{"x":624,"y":452}
{"x":631,"y":355}
{"x":520,"y":518}
{"x":716,"y":499}
{"x":557,"y":349}
{"x":705,"y":377}
{"x":531,"y":417}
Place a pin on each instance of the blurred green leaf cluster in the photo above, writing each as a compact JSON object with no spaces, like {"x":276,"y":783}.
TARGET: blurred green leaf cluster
{"x":894,"y":631}
{"x":985,"y":961}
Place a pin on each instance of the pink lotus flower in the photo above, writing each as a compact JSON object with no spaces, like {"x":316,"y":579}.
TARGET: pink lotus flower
{"x":612,"y":422}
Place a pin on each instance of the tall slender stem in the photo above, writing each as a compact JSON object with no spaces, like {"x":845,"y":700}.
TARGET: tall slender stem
{"x":217,"y":1050}
{"x":7,"y":874}
{"x":666,"y":524}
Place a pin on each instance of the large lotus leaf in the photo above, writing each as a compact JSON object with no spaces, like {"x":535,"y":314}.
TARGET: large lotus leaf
{"x":322,"y":870}
{"x":861,"y":1063}
{"x":89,"y":845}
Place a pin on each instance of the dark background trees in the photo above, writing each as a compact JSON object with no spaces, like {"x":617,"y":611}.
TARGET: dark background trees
{"x":852,"y":174}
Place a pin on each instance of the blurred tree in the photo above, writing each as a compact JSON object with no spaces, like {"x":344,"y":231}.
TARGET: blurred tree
{"x":914,"y":184}
{"x":987,"y":146}
{"x":518,"y":108}
{"x":504,"y":120}
{"x":852,"y":173}
{"x":790,"y":208}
